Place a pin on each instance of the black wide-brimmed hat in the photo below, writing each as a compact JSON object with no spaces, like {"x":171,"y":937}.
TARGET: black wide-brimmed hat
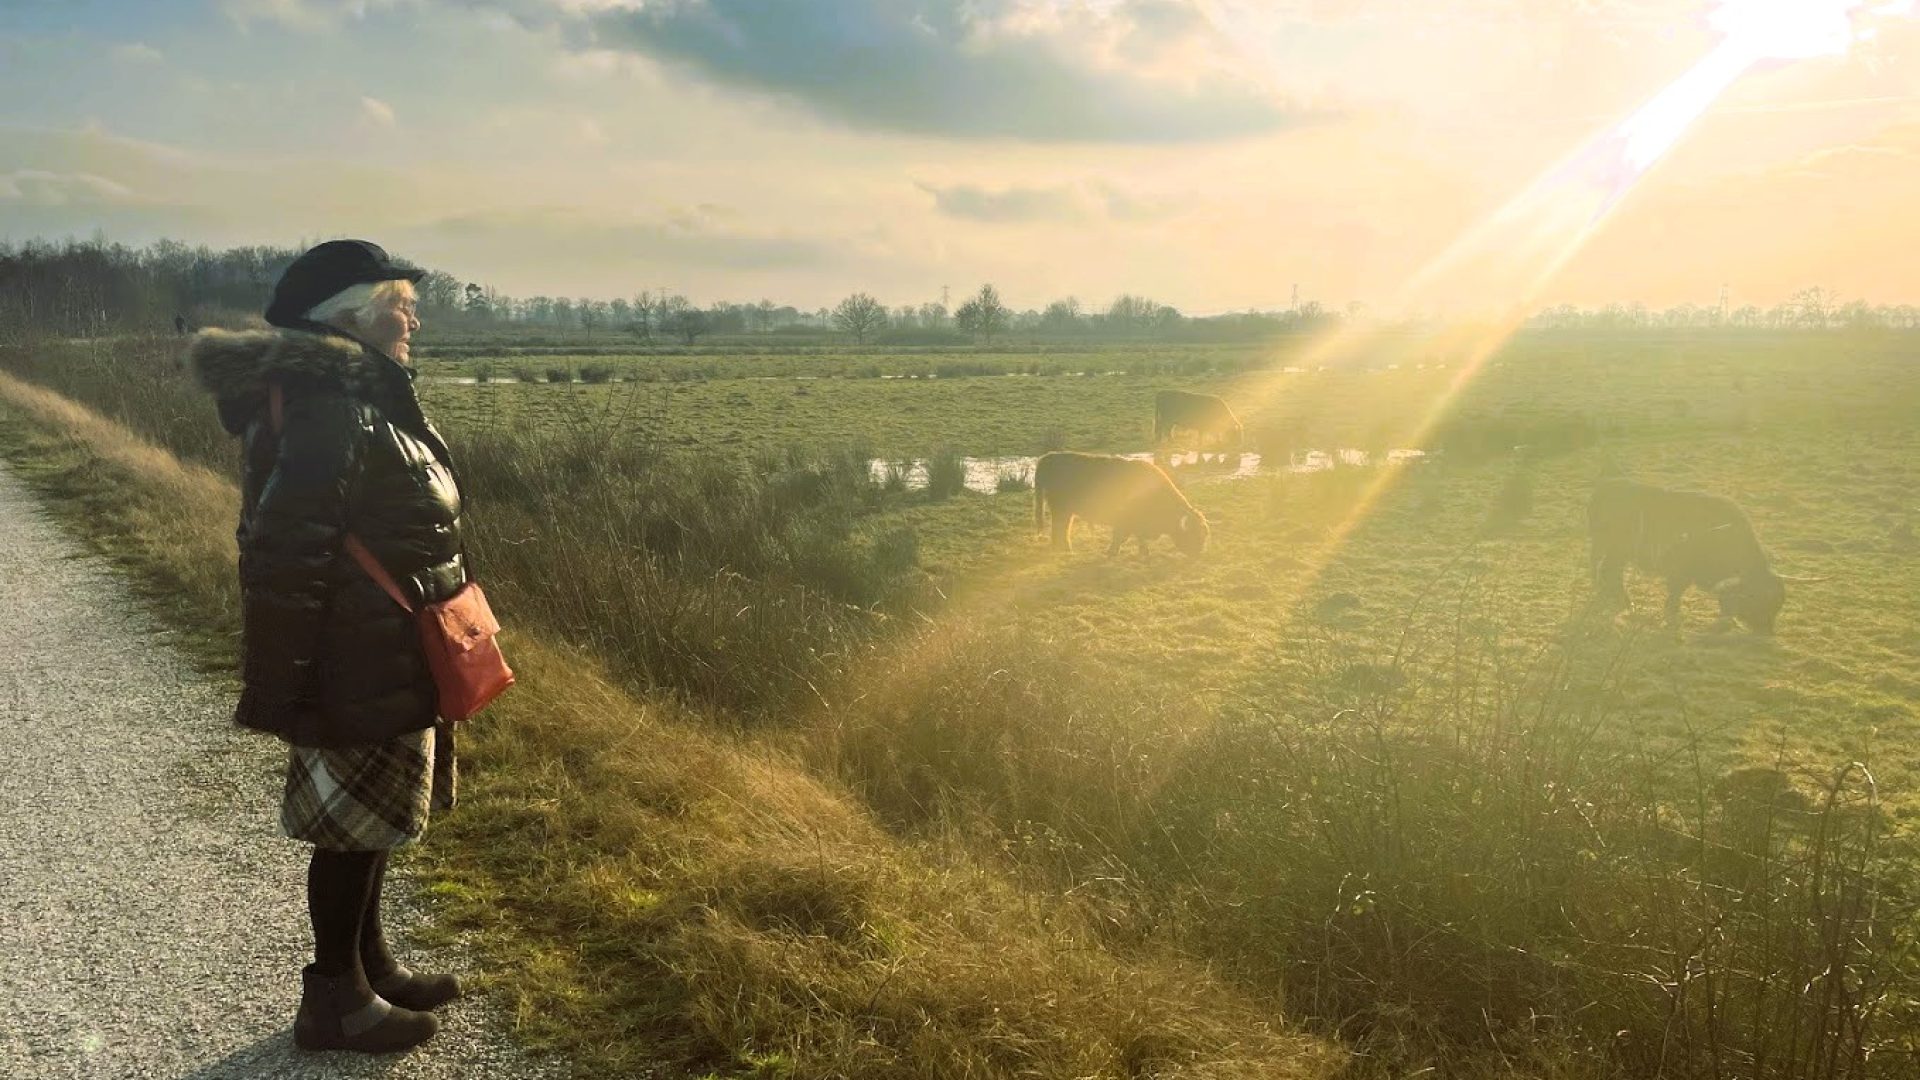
{"x":325,"y":270}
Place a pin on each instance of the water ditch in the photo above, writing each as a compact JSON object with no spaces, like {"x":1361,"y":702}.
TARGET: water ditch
{"x":987,"y":474}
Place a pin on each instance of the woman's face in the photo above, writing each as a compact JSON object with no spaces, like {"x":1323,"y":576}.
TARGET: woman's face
{"x":393,"y":321}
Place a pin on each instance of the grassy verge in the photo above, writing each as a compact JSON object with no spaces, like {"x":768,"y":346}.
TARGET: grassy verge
{"x":651,"y":893}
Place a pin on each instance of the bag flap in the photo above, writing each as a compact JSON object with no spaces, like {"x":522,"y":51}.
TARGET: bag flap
{"x":465,"y":619}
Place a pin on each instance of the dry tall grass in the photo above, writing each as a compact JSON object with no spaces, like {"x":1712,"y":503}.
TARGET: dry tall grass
{"x":172,"y":508}
{"x":1446,"y":856}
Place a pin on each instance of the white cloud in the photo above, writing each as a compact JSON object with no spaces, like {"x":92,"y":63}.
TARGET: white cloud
{"x":39,"y":187}
{"x":1009,"y":205}
{"x":137,"y":52}
{"x":377,"y":112}
{"x":1056,"y":204}
{"x":542,"y":130}
{"x":587,"y":131}
{"x":302,"y":14}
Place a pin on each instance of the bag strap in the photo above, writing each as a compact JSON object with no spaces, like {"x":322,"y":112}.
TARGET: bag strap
{"x":277,"y":417}
{"x":375,"y":571}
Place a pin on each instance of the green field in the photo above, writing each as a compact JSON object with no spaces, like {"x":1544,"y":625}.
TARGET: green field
{"x":1564,"y":388}
{"x":1369,"y":758}
{"x":1353,"y":593}
{"x":1813,"y":436}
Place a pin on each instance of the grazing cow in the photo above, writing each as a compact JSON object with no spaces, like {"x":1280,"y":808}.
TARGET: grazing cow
{"x":1691,"y":539}
{"x":1203,"y":414}
{"x":1136,"y":498}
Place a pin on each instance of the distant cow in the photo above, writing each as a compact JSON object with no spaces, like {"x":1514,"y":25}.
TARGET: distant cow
{"x":1203,"y":414}
{"x":1136,"y":498}
{"x":1689,"y":538}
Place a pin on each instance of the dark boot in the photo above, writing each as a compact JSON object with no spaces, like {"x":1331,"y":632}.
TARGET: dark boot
{"x":334,"y":1016}
{"x":417,"y":991}
{"x":385,"y":974}
{"x":338,"y":1009}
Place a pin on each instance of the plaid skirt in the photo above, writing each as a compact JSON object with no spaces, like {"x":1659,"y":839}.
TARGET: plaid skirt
{"x":369,"y":798}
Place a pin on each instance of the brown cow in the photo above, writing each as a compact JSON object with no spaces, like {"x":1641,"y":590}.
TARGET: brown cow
{"x":1690,"y":538}
{"x":1136,"y":498}
{"x":1203,"y":414}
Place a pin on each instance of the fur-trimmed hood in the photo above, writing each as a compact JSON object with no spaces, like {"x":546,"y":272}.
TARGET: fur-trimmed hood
{"x":235,"y":363}
{"x":236,"y":366}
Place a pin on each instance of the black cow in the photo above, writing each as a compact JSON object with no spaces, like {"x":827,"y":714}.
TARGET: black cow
{"x":1202,"y":414}
{"x":1690,"y":538}
{"x":1136,"y":498}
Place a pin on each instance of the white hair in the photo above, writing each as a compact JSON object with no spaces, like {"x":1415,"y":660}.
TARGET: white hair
{"x":355,"y":303}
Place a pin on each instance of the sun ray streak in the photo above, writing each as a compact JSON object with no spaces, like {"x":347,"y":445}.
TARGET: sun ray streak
{"x":1516,"y":251}
{"x":1513,"y":254}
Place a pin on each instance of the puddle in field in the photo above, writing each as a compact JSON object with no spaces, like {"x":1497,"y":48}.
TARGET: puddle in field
{"x":983,"y":473}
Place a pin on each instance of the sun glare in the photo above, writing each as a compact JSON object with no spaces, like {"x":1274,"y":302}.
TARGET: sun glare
{"x":1520,"y":247}
{"x":1791,"y":29}
{"x":1509,"y":257}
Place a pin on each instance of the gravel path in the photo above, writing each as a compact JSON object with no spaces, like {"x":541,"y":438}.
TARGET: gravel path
{"x":152,"y":919}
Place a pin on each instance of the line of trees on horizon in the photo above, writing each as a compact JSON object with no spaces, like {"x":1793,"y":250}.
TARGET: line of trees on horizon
{"x":88,"y":288}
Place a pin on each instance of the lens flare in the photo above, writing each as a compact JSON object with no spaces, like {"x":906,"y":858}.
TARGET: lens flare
{"x":1513,"y":255}
{"x":1507,"y":259}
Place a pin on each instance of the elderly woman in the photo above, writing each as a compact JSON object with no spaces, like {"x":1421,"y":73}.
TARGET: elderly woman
{"x":334,"y":443}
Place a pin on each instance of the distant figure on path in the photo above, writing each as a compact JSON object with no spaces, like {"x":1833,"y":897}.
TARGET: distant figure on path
{"x":180,"y":324}
{"x":330,"y":663}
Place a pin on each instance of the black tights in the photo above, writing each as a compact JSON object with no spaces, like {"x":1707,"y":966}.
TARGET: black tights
{"x":374,"y":956}
{"x":343,"y":899}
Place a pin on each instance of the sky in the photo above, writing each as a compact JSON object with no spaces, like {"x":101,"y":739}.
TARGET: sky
{"x":1211,"y":154}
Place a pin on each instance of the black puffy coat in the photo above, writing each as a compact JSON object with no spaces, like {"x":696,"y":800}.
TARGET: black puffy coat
{"x":327,"y":657}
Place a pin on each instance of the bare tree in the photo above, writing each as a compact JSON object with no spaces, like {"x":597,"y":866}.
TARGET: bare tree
{"x":1811,"y":307}
{"x":593,"y":313}
{"x":983,"y":316}
{"x":681,"y":319}
{"x":1128,"y":313}
{"x":1061,"y":316}
{"x":438,"y":291}
{"x":645,"y":315}
{"x":860,"y":315}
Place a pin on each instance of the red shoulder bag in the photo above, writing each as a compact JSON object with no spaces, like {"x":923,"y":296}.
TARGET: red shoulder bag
{"x":457,"y":634}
